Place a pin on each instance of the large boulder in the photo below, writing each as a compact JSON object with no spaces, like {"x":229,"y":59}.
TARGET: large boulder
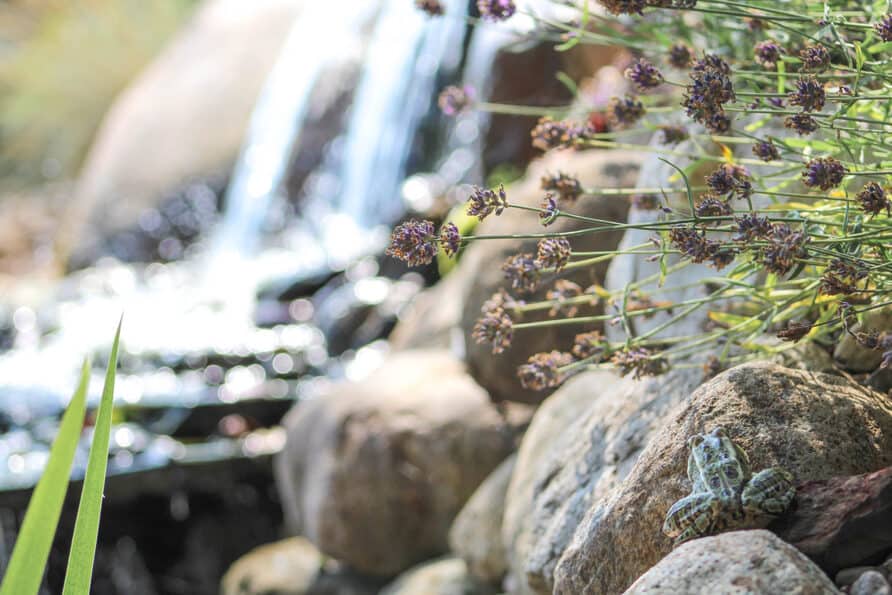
{"x":594,"y":169}
{"x":476,"y":533}
{"x":814,"y":425}
{"x":185,"y":116}
{"x":374,"y":473}
{"x":580,"y":445}
{"x":754,"y":562}
{"x":446,"y":576}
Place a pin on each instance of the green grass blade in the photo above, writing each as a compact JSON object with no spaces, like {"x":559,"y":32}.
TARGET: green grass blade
{"x":25,"y":570}
{"x":86,"y":528}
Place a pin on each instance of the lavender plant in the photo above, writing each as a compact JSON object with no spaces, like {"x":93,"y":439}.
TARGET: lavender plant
{"x":786,"y":106}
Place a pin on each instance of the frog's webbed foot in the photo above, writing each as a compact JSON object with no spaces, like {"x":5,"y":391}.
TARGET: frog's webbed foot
{"x":769,"y":492}
{"x":692,"y":516}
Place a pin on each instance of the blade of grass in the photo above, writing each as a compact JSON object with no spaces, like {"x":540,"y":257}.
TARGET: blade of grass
{"x":86,"y":528}
{"x":25,"y":570}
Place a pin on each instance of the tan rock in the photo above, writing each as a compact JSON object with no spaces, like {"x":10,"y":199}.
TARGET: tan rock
{"x":447,"y":576}
{"x":851,"y":355}
{"x":374,"y":473}
{"x":815,"y":425}
{"x":754,"y":562}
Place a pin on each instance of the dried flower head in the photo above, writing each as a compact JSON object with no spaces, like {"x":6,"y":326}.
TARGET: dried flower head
{"x":730,"y":180}
{"x":560,"y":294}
{"x":589,"y":345}
{"x":766,"y":151}
{"x":709,"y":90}
{"x":553,"y":134}
{"x":639,"y":361}
{"x":542,"y":370}
{"x":752,"y":227}
{"x":414,"y":242}
{"x":496,"y":10}
{"x":815,"y":57}
{"x":809,"y":94}
{"x":643,"y":75}
{"x":784,"y":248}
{"x":794,"y":331}
{"x":803,"y":124}
{"x":485,"y":201}
{"x":431,"y":7}
{"x":450,"y":239}
{"x":549,"y":210}
{"x":824,"y":173}
{"x":680,"y":56}
{"x":874,"y":200}
{"x":841,"y":278}
{"x":672,"y":135}
{"x":712,"y":367}
{"x":494,"y":326}
{"x":623,"y":6}
{"x":768,"y":54}
{"x":884,"y":28}
{"x":523,"y":272}
{"x":454,"y":100}
{"x":712,"y":206}
{"x":693,"y":243}
{"x":553,"y":253}
{"x":624,"y":111}
{"x":568,"y":187}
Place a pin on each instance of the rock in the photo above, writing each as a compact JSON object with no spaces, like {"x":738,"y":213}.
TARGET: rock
{"x":447,"y":576}
{"x":852,"y":356}
{"x":581,"y":444}
{"x":432,"y":319}
{"x":374,"y":473}
{"x":498,"y":373}
{"x":739,"y":562}
{"x":814,"y":425}
{"x":184,"y":117}
{"x":291,"y":567}
{"x":842,"y":521}
{"x":870,"y":583}
{"x":476,"y":533}
{"x":847,"y":576}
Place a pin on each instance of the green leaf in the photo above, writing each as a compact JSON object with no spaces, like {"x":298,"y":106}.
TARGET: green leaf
{"x":25,"y":570}
{"x":86,"y":527}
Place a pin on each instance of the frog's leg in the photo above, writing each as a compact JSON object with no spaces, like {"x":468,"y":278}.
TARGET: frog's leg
{"x":769,"y":492}
{"x":690,"y":517}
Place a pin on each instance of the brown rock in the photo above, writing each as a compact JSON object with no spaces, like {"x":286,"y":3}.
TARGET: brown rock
{"x":447,"y":576}
{"x":842,"y":521}
{"x":498,"y":373}
{"x":374,"y":473}
{"x":815,"y":425}
{"x":476,"y":533}
{"x":753,"y":562}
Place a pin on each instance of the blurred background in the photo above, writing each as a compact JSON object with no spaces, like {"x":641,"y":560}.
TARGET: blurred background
{"x":225,"y":174}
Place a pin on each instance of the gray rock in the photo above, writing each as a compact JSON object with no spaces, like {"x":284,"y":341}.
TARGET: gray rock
{"x":290,"y":567}
{"x":815,"y":425}
{"x":870,"y":583}
{"x":432,"y":319}
{"x":581,"y":444}
{"x":851,"y":355}
{"x":755,"y":562}
{"x":600,"y":169}
{"x":374,"y":473}
{"x":447,"y":576}
{"x":847,"y":576}
{"x":476,"y":533}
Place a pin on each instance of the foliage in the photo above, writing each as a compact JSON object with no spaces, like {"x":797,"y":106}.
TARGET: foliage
{"x":26,"y":567}
{"x":58,"y":80}
{"x":775,"y":119}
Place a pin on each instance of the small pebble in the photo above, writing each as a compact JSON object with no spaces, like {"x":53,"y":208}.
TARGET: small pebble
{"x":871,"y":583}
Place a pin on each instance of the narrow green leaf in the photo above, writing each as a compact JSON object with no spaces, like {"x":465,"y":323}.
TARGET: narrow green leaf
{"x":86,"y":527}
{"x":25,"y":570}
